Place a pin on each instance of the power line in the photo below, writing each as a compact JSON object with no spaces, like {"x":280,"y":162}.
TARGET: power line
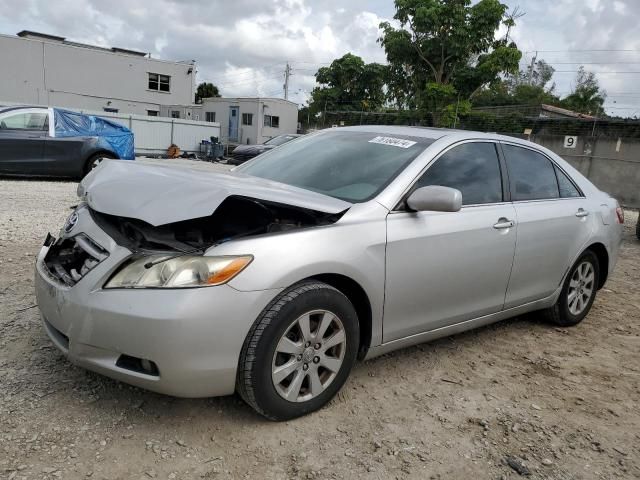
{"x":592,"y":63}
{"x":599,"y":73}
{"x":586,"y":50}
{"x":242,"y":74}
{"x":249,"y":81}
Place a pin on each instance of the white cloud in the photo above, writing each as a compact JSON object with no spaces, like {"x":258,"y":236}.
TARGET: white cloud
{"x":243,"y":45}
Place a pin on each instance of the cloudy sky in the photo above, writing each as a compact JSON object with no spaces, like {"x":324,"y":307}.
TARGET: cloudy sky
{"x":243,"y":45}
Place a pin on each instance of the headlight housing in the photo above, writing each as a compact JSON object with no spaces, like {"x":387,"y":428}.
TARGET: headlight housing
{"x":166,"y":271}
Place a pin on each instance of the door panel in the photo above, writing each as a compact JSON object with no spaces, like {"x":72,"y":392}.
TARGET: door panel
{"x":550,"y":236}
{"x":65,"y":156}
{"x":444,"y":268}
{"x":551,"y":229}
{"x":21,"y":151}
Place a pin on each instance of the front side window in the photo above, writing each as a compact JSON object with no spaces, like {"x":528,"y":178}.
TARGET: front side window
{"x":472,"y":168}
{"x":247,"y":118}
{"x":152,"y":113}
{"x":531,"y":174}
{"x":161,"y":83}
{"x":26,"y":121}
{"x":352,"y":166}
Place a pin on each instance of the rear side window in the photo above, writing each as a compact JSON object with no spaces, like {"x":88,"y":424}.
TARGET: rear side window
{"x":531,"y":174}
{"x":472,"y":168}
{"x":565,"y":185}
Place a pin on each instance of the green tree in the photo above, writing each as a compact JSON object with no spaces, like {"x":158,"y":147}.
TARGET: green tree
{"x":532,"y":86}
{"x":206,"y":90}
{"x":587,"y":97}
{"x":445,"y":50}
{"x":348,"y":84}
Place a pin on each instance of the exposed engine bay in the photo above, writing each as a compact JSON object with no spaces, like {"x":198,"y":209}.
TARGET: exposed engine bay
{"x":235,"y":217}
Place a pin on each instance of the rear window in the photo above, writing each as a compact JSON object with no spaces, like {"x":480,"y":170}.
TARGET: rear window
{"x":352,"y":166}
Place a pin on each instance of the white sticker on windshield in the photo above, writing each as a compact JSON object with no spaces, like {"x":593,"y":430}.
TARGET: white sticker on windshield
{"x":394,"y":142}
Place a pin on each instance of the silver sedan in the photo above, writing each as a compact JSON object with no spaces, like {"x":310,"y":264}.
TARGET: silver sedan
{"x":273,"y":279}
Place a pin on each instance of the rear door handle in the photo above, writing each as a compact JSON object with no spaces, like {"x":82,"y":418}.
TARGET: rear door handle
{"x":581,"y":213}
{"x":503,"y":223}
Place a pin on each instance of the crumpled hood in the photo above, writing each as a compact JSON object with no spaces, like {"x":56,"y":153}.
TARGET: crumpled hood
{"x":161,"y":194}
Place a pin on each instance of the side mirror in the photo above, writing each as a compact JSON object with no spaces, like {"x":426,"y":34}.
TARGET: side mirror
{"x":435,"y":198}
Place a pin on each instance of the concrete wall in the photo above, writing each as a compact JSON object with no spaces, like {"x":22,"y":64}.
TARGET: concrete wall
{"x":613,"y":165}
{"x":42,"y":72}
{"x":257,"y":132}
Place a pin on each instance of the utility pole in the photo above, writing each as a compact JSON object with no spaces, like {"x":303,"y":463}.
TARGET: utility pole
{"x":455,"y":119}
{"x":287,"y":74}
{"x":533,"y":64}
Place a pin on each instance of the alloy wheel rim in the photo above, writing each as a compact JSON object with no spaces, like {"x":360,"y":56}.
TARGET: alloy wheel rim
{"x":308,"y":356}
{"x":581,"y":287}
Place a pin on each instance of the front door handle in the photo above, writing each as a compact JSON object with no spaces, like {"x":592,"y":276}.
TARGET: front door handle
{"x":503,"y":223}
{"x":581,"y":213}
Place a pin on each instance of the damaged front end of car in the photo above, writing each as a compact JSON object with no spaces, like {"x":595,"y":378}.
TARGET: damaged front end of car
{"x":169,"y":246}
{"x":236,"y":217}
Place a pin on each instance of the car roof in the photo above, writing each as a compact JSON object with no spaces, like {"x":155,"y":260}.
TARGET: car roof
{"x":19,"y":107}
{"x":433,"y":133}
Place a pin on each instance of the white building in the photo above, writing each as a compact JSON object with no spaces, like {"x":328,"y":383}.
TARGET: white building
{"x":41,"y":69}
{"x":251,"y":120}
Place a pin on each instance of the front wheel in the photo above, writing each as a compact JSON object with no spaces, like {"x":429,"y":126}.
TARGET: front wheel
{"x":578,"y":292}
{"x":299,"y":352}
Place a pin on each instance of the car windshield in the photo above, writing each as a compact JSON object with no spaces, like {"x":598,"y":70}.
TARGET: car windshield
{"x":279,"y":140}
{"x":352,"y":166}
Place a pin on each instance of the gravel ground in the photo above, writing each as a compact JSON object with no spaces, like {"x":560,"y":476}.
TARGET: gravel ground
{"x":519,"y":396}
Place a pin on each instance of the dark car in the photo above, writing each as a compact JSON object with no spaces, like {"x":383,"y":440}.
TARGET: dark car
{"x":39,"y":141}
{"x":242,"y":153}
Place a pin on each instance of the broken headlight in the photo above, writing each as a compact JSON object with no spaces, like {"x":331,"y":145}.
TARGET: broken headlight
{"x":165,"y":271}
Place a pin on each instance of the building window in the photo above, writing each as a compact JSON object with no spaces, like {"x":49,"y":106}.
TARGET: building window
{"x":271,"y":121}
{"x":210,"y":116}
{"x":160,"y":83}
{"x":152,"y":113}
{"x":247,"y":118}
{"x":110,"y":110}
{"x":175,"y":113}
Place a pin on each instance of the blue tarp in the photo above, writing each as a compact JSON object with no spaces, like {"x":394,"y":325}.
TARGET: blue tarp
{"x":111,"y":136}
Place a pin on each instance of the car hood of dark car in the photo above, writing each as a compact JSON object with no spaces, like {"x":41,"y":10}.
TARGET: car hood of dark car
{"x":251,"y":149}
{"x":162,"y":194}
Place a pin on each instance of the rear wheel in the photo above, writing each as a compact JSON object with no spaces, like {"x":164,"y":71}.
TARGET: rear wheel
{"x":638,"y":227}
{"x":299,"y":352}
{"x":578,"y":292}
{"x":95,"y":160}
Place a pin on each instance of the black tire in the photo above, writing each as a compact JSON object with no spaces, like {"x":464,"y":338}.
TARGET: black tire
{"x":254,"y":379}
{"x":638,"y":227}
{"x":560,"y":313}
{"x":89,"y":164}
